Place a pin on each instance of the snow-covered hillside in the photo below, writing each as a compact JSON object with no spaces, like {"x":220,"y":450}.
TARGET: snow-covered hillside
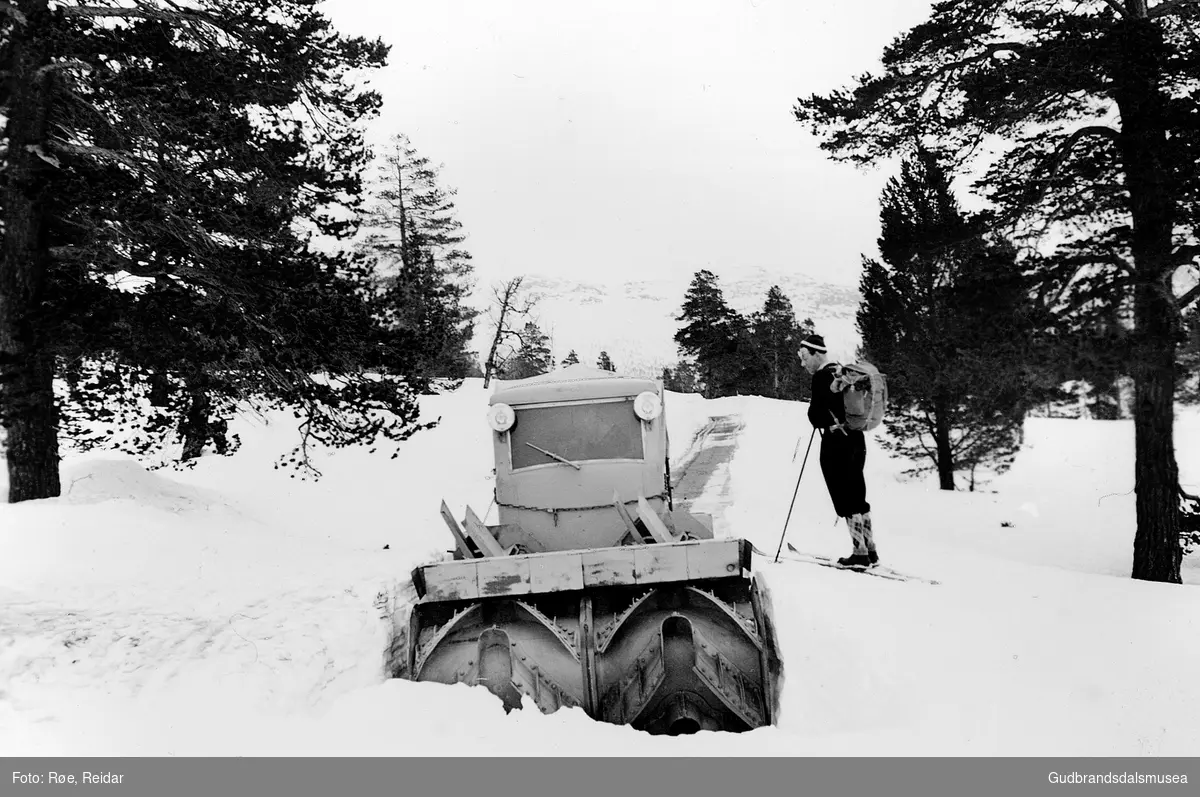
{"x":579,"y":315}
{"x":231,"y":609}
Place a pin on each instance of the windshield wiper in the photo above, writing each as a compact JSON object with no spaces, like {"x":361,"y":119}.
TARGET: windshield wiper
{"x":552,"y":455}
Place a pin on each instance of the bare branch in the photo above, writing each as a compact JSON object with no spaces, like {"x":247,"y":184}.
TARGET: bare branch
{"x":1170,"y":6}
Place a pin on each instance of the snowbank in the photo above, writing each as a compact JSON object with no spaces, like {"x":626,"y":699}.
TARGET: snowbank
{"x":232,"y":609}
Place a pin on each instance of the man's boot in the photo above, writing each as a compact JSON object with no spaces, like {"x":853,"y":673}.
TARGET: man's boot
{"x":860,"y":557}
{"x":869,"y":538}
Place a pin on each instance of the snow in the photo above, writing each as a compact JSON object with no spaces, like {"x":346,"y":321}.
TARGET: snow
{"x":232,"y":610}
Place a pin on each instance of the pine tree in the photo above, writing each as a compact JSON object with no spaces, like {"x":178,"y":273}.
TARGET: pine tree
{"x":426,"y":276}
{"x":532,"y":358}
{"x":571,"y":359}
{"x":943,"y":316}
{"x":27,"y":405}
{"x":172,"y":250}
{"x":605,"y":363}
{"x":1012,"y":90}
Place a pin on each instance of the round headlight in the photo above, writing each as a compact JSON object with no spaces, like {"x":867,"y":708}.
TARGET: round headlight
{"x":647,"y":406}
{"x":501,"y":417}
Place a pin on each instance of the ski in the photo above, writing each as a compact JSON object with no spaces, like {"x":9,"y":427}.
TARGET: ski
{"x":794,"y":555}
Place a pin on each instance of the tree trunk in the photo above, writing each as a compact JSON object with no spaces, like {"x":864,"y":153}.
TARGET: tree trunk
{"x":775,"y":374}
{"x":489,"y":368}
{"x":193,"y":427}
{"x":507,"y":297}
{"x":160,"y":390}
{"x":1156,"y":547}
{"x":403,"y":212}
{"x":26,"y":360}
{"x":945,"y":458}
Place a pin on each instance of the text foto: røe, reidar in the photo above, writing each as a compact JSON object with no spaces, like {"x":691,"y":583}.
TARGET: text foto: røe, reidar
{"x":66,"y":778}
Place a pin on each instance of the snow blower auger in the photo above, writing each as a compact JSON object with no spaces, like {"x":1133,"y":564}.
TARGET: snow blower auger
{"x":592,"y":590}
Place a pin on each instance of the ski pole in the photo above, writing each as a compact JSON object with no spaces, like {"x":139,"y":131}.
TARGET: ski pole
{"x":794,"y":494}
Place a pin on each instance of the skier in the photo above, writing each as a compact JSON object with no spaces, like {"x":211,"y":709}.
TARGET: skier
{"x":843,"y":452}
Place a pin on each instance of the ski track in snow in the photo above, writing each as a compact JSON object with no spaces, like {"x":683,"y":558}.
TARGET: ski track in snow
{"x":704,"y":486}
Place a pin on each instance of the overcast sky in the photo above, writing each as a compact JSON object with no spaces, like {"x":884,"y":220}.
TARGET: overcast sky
{"x":635,"y":139}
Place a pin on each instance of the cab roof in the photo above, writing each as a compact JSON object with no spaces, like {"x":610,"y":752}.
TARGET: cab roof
{"x":573,"y":383}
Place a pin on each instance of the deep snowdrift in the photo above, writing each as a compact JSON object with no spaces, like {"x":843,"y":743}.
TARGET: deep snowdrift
{"x":231,"y":609}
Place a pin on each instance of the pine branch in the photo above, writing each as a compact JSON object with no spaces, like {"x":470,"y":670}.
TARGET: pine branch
{"x":989,"y":51}
{"x":140,"y":11}
{"x":964,"y":442}
{"x":930,"y":423}
{"x":1111,"y":259}
{"x":176,"y":15}
{"x":1186,"y":300}
{"x":1054,"y":162}
{"x":12,"y":12}
{"x":101,"y":153}
{"x":929,"y":453}
{"x":1059,"y":156}
{"x":1168,"y":7}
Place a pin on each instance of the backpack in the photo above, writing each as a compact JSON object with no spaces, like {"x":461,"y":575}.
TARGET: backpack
{"x":865,"y":393}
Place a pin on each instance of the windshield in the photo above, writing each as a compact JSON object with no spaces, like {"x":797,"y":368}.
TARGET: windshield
{"x":605,"y":430}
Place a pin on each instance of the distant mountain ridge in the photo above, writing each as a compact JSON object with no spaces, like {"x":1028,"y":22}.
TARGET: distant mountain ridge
{"x":635,"y":322}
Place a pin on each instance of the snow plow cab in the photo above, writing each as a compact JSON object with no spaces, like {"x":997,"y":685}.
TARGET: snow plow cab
{"x":592,"y":591}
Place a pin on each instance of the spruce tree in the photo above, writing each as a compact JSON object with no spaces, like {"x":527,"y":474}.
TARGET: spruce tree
{"x":571,"y":359}
{"x":776,"y":339}
{"x":605,"y":363}
{"x":425,"y":275}
{"x":681,"y":379}
{"x":713,"y":335}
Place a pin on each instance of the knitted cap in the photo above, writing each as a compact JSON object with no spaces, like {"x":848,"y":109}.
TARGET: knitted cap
{"x":814,"y":343}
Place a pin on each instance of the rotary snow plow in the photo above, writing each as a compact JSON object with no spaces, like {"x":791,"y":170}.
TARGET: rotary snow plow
{"x":592,"y":590}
